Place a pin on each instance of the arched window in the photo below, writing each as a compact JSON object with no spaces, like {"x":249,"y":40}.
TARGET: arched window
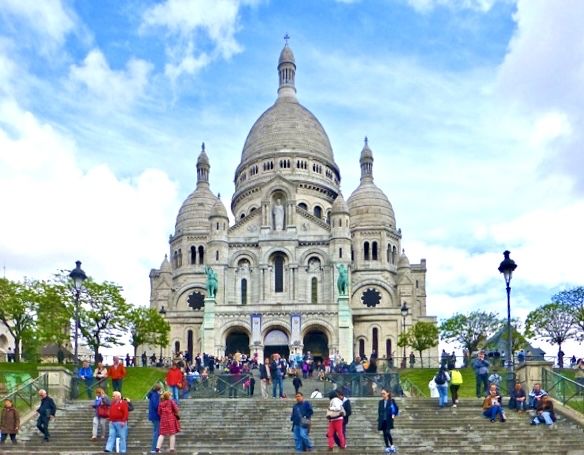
{"x":242,"y":216}
{"x":393,"y":253}
{"x":388,"y":352}
{"x":179,"y":257}
{"x":328,"y":217}
{"x":303,"y":206}
{"x":366,"y":251}
{"x":175,"y":259}
{"x":279,"y":273}
{"x":244,"y":291}
{"x":374,"y":251}
{"x":314,"y":290}
{"x":375,"y":341}
{"x":190,"y":343}
{"x":201,"y":254}
{"x":361,"y":347}
{"x":340,"y":253}
{"x":317,"y":211}
{"x":176,"y":347}
{"x":417,"y":284}
{"x":388,"y":254}
{"x":352,"y":255}
{"x":217,"y":255}
{"x":193,"y":255}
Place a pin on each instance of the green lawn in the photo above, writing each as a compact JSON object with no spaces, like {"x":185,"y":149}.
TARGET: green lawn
{"x":421,"y":376}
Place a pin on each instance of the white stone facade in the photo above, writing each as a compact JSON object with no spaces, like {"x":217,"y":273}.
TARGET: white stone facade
{"x":276,"y":266}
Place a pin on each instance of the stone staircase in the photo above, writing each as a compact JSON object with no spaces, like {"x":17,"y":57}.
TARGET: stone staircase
{"x":244,"y":426}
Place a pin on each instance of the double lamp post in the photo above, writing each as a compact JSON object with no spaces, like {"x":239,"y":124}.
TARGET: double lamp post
{"x":77,"y":276}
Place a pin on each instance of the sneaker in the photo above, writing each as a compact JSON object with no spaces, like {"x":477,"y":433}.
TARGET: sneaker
{"x":387,"y":450}
{"x":93,"y":439}
{"x":454,"y":405}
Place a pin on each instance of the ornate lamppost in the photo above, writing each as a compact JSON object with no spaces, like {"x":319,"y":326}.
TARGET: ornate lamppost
{"x":506,"y":268}
{"x":404,"y":312}
{"x":78,"y":276}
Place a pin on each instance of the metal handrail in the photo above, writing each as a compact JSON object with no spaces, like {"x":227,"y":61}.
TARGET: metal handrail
{"x":160,"y":381}
{"x":25,"y":396}
{"x":221,"y":385}
{"x":566,"y":391}
{"x":411,"y":388}
{"x":363,"y":384}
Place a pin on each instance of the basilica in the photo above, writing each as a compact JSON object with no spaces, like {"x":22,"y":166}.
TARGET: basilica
{"x":269,"y":282}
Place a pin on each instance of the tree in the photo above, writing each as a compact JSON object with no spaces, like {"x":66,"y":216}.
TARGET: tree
{"x":553,"y":322}
{"x":421,"y":336}
{"x":147,"y":326}
{"x":575,"y":299}
{"x":18,"y":310}
{"x":55,"y":312}
{"x":103,"y":314}
{"x":470,"y":331}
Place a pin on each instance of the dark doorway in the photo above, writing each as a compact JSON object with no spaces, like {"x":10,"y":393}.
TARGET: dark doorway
{"x":316,"y":342}
{"x":276,"y":342}
{"x":283,"y":350}
{"x":237,"y":341}
{"x":190,"y":344}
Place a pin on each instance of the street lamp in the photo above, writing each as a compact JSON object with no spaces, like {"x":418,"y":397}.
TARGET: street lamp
{"x":78,"y":276}
{"x":506,"y":268}
{"x":404,"y":312}
{"x":162,"y":312}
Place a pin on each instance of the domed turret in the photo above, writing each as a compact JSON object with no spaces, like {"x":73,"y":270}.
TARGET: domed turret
{"x":218,"y":209}
{"x":339,"y":206}
{"x":165,"y":266}
{"x":368,"y":205}
{"x":404,"y":262}
{"x":195,"y":210}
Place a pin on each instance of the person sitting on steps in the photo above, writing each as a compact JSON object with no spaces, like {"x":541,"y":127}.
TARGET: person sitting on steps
{"x":492,"y":405}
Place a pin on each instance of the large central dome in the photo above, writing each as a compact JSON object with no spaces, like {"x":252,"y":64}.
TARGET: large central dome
{"x":287,"y":125}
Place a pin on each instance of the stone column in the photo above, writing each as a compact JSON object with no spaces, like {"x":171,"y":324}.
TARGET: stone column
{"x":530,"y":372}
{"x":345,"y":347}
{"x":208,"y":326}
{"x":59,"y":382}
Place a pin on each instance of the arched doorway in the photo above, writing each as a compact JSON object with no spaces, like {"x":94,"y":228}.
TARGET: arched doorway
{"x":316,"y":342}
{"x":237,"y":341}
{"x":276,"y":342}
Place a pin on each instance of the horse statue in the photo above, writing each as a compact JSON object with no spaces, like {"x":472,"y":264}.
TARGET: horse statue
{"x":212,"y":282}
{"x":343,"y":279}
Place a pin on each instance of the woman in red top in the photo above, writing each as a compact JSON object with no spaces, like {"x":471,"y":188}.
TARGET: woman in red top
{"x":174,"y":380}
{"x":169,"y":421}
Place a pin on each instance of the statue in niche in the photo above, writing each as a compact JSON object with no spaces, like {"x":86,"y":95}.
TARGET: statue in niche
{"x":278,"y":212}
{"x":212,"y":282}
{"x":343,"y":279}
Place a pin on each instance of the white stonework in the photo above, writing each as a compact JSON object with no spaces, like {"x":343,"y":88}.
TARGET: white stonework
{"x":276,"y":265}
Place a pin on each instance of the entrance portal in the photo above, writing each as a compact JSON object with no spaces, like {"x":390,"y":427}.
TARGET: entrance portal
{"x":237,"y":342}
{"x":316,"y":342}
{"x":276,"y":342}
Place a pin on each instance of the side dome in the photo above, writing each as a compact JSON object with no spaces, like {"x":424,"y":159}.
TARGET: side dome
{"x":404,"y":262}
{"x":195,"y":210}
{"x":339,"y":205}
{"x":368,"y":205}
{"x":218,"y":210}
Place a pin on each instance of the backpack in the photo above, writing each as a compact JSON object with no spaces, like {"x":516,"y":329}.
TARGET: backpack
{"x":440,"y":378}
{"x":456,"y":377}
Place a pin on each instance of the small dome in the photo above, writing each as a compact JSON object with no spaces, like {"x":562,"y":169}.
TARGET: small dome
{"x":203,"y":158}
{"x":366,"y":152}
{"x":369,"y":206}
{"x":218,"y":210}
{"x":195,"y":210}
{"x":286,"y":56}
{"x":339,"y":205}
{"x":404,"y":262}
{"x":165,"y":266}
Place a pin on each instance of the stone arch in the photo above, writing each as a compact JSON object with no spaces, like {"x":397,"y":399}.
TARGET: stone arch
{"x":276,"y":325}
{"x":236,"y":337}
{"x":277,"y":249}
{"x":371,"y":283}
{"x":314,"y":251}
{"x":234,"y":326}
{"x":244,"y":254}
{"x":320,"y":325}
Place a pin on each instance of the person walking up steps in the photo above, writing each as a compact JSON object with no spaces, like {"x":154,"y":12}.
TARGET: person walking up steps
{"x":46,"y":412}
{"x":387,"y":411}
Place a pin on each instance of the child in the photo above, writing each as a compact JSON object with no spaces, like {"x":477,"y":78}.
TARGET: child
{"x":9,"y":422}
{"x":297,"y":383}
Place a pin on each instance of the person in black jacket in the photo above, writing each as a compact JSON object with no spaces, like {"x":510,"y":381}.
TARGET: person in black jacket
{"x":348,"y":411}
{"x":386,"y":412}
{"x":46,"y":411}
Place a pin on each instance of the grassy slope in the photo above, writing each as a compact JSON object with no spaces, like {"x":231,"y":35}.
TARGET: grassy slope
{"x":421,"y":376}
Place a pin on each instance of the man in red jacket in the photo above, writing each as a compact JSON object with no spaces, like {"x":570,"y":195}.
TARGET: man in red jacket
{"x":117,"y":372}
{"x":174,"y":381}
{"x":118,"y":427}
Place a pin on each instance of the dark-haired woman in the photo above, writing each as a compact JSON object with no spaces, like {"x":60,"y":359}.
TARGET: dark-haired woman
{"x":386,"y":412}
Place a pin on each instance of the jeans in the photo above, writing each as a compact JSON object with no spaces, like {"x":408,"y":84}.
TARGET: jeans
{"x":519,"y":405}
{"x":301,"y":440}
{"x":443,"y":395}
{"x":546,"y":416}
{"x":117,"y":430}
{"x":155,"y":433}
{"x":482,"y":380}
{"x":117,"y":385}
{"x":175,"y":392}
{"x":277,"y":383}
{"x":43,"y":426}
{"x":493,"y":412}
{"x":88,"y":388}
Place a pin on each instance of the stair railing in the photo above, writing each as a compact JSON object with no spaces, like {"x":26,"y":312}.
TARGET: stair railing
{"x":25,"y":396}
{"x":223,"y":385}
{"x":568,"y":392}
{"x":410,"y":389}
{"x":363,"y":384}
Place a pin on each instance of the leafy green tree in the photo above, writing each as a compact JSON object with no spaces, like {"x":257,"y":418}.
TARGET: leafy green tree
{"x":575,"y":299}
{"x":553,"y":323}
{"x":421,"y":336}
{"x":103,"y":315}
{"x":147,"y":326}
{"x":18,"y":311}
{"x":471,"y":330}
{"x":55,"y":312}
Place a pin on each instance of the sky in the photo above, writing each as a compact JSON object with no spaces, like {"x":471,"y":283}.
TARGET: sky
{"x":474,"y":110}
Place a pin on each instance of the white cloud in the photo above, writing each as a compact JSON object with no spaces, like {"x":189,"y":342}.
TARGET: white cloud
{"x":120,"y":88}
{"x":60,"y":213}
{"x":189,"y":23}
{"x":424,"y":6}
{"x":543,"y":72}
{"x":50,"y":20}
